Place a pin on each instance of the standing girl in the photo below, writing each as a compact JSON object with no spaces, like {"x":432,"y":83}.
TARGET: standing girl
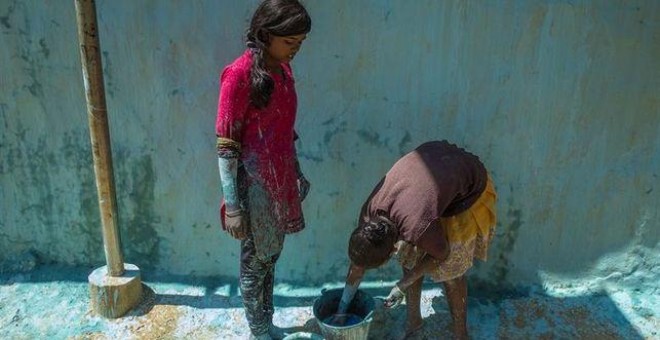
{"x":261,"y":179}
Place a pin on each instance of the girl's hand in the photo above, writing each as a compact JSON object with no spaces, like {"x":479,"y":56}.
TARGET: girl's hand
{"x":236,"y":223}
{"x":395,"y":298}
{"x":303,"y":186}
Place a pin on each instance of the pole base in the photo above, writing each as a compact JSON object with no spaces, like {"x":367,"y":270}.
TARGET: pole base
{"x":114,"y":296}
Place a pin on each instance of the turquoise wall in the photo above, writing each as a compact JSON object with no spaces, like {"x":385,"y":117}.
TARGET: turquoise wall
{"x":559,"y":98}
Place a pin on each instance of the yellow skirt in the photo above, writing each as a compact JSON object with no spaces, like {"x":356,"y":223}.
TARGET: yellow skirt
{"x":469,"y":234}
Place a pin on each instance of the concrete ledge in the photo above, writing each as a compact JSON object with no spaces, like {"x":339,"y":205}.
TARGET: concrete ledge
{"x":112,"y":297}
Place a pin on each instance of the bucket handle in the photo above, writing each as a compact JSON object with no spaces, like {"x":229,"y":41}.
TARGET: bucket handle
{"x":368,"y":317}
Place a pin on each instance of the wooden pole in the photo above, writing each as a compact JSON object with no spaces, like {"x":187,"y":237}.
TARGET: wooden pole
{"x":92,"y":68}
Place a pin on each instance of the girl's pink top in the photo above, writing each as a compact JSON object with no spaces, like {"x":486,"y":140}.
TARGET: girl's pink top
{"x":266,"y":137}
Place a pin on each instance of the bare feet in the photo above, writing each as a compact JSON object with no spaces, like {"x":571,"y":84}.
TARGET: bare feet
{"x":460,"y":334}
{"x":412,"y":326}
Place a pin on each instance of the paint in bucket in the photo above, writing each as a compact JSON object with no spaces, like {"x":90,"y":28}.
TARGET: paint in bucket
{"x":342,"y":320}
{"x":361,"y":308}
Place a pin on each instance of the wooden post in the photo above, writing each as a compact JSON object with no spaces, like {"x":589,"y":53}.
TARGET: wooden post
{"x":117,"y":287}
{"x":92,"y":68}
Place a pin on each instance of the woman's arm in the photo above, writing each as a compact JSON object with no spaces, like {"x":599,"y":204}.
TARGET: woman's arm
{"x":353,"y":279}
{"x":427,"y":263}
{"x":436,"y":245}
{"x":434,"y":242}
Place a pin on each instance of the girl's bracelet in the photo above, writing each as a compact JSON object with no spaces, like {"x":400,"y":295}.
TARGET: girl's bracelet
{"x":233,"y":213}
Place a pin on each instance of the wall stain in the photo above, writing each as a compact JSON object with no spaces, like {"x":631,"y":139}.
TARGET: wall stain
{"x":138,"y":219}
{"x":328,"y":122}
{"x":327,"y":137}
{"x":107,"y":74}
{"x":310,"y":157}
{"x":4,"y":20}
{"x":372,"y":138}
{"x":4,"y":147}
{"x":504,"y":243}
{"x":36,"y":161}
{"x":77,"y":152}
{"x":405,"y":141}
{"x":33,"y":66}
{"x":334,"y":152}
{"x":49,"y":197}
{"x":44,"y":47}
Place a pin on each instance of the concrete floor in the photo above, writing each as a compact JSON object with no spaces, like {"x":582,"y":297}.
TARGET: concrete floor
{"x":53,"y":303}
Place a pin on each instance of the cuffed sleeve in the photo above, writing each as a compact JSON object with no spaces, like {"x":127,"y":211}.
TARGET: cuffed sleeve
{"x":227,"y":148}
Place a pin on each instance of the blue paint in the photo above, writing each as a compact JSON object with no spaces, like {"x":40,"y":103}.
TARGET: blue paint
{"x":346,"y":320}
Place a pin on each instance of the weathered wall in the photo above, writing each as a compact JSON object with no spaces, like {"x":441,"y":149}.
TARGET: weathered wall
{"x":559,"y":98}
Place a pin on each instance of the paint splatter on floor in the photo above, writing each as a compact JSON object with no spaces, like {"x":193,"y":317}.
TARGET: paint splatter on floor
{"x":53,"y":303}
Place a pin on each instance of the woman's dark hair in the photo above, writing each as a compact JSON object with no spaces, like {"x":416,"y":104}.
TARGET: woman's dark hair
{"x":272,"y":17}
{"x":372,"y":243}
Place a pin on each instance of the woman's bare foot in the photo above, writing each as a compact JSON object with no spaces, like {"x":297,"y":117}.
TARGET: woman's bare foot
{"x":412,"y":326}
{"x":460,"y":333}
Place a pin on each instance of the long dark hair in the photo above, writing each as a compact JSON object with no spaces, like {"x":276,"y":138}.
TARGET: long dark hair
{"x":276,"y":17}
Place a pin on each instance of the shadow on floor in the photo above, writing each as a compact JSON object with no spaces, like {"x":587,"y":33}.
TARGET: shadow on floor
{"x":521,"y":317}
{"x":509,"y":314}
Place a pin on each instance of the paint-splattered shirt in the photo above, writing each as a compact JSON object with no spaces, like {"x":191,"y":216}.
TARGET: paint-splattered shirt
{"x":437,"y":179}
{"x":262,"y":139}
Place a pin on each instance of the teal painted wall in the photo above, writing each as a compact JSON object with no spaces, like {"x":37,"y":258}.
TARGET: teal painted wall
{"x":559,"y":98}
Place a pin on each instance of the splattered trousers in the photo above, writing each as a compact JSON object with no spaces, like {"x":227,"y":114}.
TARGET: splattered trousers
{"x":257,"y":275}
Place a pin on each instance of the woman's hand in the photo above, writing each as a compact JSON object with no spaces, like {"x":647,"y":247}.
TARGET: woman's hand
{"x":236,"y":223}
{"x":338,"y":320}
{"x":395,"y":298}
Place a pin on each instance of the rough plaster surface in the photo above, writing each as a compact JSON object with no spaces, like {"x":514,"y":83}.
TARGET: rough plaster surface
{"x":559,"y":98}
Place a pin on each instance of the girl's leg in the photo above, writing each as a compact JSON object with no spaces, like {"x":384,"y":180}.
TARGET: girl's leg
{"x":269,"y":307}
{"x":413,"y":298}
{"x":269,"y":281}
{"x":252,"y":283}
{"x":456,"y":291}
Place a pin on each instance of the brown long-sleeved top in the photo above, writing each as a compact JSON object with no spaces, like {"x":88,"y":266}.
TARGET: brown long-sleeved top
{"x":437,"y":179}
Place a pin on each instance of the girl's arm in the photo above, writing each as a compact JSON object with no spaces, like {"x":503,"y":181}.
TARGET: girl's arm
{"x":228,"y":168}
{"x":303,"y":183}
{"x":232,"y":106}
{"x":234,"y":217}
